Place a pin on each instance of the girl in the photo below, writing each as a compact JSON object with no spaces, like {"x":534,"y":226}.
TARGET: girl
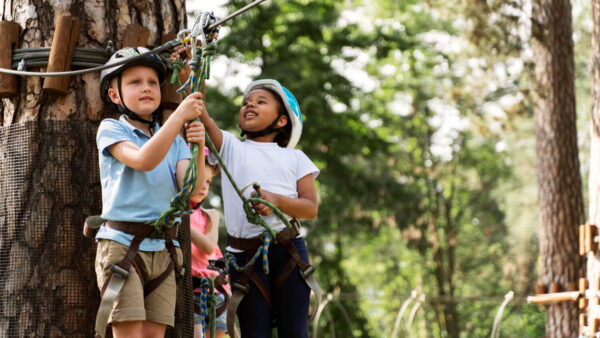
{"x":204,"y":230}
{"x":271,"y":121}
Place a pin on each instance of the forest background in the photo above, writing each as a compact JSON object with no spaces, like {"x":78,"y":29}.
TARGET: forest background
{"x":420,"y":117}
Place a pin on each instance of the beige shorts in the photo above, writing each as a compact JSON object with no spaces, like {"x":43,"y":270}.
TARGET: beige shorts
{"x":130,"y":304}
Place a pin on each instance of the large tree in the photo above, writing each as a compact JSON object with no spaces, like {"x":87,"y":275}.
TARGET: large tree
{"x":593,"y":262}
{"x":559,"y":196}
{"x":49,"y":172}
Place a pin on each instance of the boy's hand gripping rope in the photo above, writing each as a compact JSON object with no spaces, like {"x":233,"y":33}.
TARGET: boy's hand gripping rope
{"x":180,"y":202}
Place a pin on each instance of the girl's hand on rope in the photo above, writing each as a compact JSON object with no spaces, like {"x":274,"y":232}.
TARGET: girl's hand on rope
{"x":182,"y":53}
{"x":263,"y":209}
{"x":191,"y":107}
{"x":195,"y":133}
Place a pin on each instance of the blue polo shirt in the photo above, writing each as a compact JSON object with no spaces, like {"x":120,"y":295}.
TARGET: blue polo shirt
{"x":133,"y":195}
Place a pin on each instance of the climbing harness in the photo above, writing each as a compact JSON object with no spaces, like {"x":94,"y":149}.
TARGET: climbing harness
{"x":121,"y":271}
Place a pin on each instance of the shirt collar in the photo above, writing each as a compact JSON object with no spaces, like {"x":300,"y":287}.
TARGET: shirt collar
{"x":262,"y":144}
{"x":136,"y":129}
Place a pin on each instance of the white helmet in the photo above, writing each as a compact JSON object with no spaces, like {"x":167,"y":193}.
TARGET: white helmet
{"x":289,"y":101}
{"x":150,"y":60}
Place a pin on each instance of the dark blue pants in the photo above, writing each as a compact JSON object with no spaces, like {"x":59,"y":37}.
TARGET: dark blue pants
{"x":290,"y":305}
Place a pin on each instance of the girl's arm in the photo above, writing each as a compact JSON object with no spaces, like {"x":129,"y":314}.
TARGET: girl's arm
{"x":206,"y":242}
{"x":212,"y":129}
{"x":154,"y":151}
{"x":305,"y":206}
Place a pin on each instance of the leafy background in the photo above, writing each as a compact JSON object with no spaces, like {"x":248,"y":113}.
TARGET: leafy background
{"x":419,"y":116}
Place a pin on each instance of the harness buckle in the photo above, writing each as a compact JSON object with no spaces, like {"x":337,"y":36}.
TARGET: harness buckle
{"x":243,"y":288}
{"x":296,"y":224}
{"x":119,"y":271}
{"x":217,"y":265}
{"x":309,"y":271}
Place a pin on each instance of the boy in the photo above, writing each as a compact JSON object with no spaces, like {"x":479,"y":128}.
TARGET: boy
{"x":142,"y":165}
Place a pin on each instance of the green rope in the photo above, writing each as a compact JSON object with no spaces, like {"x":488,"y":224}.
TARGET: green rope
{"x":177,"y":66}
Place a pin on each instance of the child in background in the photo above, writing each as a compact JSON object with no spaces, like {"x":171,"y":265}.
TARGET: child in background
{"x":142,"y":166}
{"x":270,"y":119}
{"x":204,"y":229}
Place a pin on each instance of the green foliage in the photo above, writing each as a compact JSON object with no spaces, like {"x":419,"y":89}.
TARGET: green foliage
{"x":409,"y":164}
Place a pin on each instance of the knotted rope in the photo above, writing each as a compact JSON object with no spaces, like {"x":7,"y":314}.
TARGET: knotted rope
{"x":208,"y":305}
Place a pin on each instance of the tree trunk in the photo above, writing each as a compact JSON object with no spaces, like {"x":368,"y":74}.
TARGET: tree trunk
{"x":559,"y":197}
{"x":49,"y":176}
{"x":593,"y":259}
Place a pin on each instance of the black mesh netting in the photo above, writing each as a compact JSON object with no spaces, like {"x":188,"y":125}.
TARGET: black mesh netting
{"x":49,"y":183}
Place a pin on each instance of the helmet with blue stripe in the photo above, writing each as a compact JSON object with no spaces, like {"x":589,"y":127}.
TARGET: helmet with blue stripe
{"x":289,"y":101}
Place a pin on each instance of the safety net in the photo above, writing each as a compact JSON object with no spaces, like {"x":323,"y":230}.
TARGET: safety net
{"x":49,"y":184}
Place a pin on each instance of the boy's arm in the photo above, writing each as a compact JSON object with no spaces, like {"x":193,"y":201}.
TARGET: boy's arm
{"x":206,"y":242}
{"x":305,"y":206}
{"x":154,"y":151}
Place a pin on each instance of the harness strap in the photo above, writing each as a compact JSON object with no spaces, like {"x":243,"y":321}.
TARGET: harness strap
{"x":238,"y":291}
{"x":305,"y":269}
{"x":241,"y":287}
{"x":113,"y":285}
{"x":120,"y":272}
{"x":135,"y":228}
{"x":283,"y":275}
{"x":153,"y":284}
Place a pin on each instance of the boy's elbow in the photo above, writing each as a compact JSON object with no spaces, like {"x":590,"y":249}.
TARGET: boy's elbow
{"x":145,"y":165}
{"x":145,"y":168}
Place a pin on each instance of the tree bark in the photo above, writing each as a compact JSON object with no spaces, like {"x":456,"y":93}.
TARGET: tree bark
{"x":560,"y":198}
{"x":49,"y":169}
{"x":593,"y":259}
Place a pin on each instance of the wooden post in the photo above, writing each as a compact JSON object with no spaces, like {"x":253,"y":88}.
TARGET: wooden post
{"x":583,"y":285}
{"x":61,"y":53}
{"x":590,"y":232}
{"x":554,"y":297}
{"x":135,"y":36}
{"x":10,"y":32}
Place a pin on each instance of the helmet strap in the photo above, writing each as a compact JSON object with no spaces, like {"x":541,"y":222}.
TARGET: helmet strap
{"x":268,"y":130}
{"x":122,"y":108}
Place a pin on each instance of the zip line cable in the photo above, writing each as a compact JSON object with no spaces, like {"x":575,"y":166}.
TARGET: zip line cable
{"x":169,"y":45}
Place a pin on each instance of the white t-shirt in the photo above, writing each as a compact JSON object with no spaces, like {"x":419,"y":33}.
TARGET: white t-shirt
{"x":276,"y":169}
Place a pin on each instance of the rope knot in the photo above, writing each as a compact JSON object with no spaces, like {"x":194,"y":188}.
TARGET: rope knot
{"x":177,"y":66}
